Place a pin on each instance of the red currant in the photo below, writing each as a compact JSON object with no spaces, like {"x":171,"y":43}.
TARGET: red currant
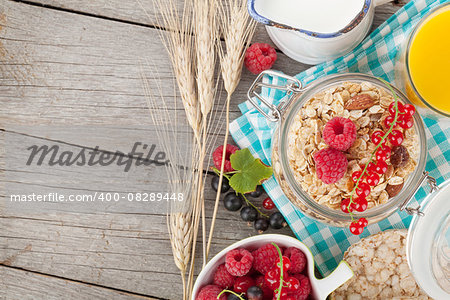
{"x":363,"y":222}
{"x":381,"y":167}
{"x":359,"y":204}
{"x":370,"y":168}
{"x":272,"y":278}
{"x":405,"y":121}
{"x":356,"y":175}
{"x":292,"y":284}
{"x":373,"y":179}
{"x":383,"y":153}
{"x":400,"y":106}
{"x":283,"y":295}
{"x":268,"y":203}
{"x":355,"y":228}
{"x":389,"y":121}
{"x":363,"y":190}
{"x":409,"y":109}
{"x":396,"y":137}
{"x":377,"y":137}
{"x":286,"y":264}
{"x":345,"y":206}
{"x":241,"y":284}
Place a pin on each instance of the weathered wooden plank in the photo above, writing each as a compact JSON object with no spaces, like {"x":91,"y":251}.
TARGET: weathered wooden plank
{"x":121,"y":246}
{"x":127,"y":252}
{"x":144,"y":12}
{"x":78,"y":70}
{"x":18,"y":284}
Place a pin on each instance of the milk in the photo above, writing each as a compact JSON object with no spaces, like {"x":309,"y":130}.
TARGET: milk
{"x":323,"y":16}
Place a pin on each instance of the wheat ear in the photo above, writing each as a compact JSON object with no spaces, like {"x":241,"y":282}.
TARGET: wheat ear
{"x":180,"y":179}
{"x":205,"y":33}
{"x":179,"y":43}
{"x":238,"y":29}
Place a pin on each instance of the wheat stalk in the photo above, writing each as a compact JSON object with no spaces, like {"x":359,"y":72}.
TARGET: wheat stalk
{"x":191,"y":41}
{"x":238,"y":29}
{"x":182,"y":223}
{"x":179,"y":43}
{"x":181,"y":179}
{"x":205,"y":33}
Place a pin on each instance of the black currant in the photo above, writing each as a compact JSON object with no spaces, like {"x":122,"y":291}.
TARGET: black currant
{"x":232,"y":202}
{"x":232,"y":297}
{"x":258,"y":192}
{"x":215,"y":184}
{"x":261,"y":224}
{"x":277,"y":220}
{"x":249,"y":214}
{"x":254,"y":293}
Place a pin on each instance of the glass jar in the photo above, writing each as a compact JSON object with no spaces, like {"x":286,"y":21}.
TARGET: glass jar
{"x":428,"y":244}
{"x":283,"y":116}
{"x":423,"y":63}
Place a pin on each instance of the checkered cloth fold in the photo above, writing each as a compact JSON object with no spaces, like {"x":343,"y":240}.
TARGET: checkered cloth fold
{"x":375,"y":56}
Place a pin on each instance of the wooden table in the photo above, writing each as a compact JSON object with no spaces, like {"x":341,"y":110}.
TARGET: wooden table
{"x":76,"y":62}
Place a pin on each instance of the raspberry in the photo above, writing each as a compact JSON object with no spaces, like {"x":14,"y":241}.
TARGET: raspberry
{"x":305,"y":288}
{"x":210,"y":292}
{"x":331,"y":165}
{"x":217,"y":157}
{"x":298,"y":259}
{"x":259,"y":57}
{"x":339,"y":133}
{"x":238,"y":262}
{"x":222,"y":278}
{"x":265,"y":258}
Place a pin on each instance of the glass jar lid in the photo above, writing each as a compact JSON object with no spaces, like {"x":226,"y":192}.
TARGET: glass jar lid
{"x":428,"y":244}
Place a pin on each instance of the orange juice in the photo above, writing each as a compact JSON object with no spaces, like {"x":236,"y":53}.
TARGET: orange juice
{"x":428,"y":62}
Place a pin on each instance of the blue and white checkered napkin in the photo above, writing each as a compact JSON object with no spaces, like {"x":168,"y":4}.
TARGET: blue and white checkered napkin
{"x":375,"y":55}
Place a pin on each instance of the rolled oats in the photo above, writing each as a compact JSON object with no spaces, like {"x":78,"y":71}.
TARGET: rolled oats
{"x":305,"y":138}
{"x":381,"y":269}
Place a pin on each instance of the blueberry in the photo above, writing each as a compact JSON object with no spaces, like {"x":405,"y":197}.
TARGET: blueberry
{"x":232,"y":202}
{"x":215,"y":184}
{"x":277,"y":220}
{"x":258,"y":192}
{"x":249,"y":214}
{"x":232,"y":297}
{"x":254,"y":293}
{"x":261,"y":224}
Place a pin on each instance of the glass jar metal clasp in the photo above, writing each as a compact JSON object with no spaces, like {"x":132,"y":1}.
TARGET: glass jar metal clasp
{"x":293,"y":86}
{"x":433,"y":187}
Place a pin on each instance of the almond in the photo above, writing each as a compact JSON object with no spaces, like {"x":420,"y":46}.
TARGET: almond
{"x":389,"y":172}
{"x":393,"y":190}
{"x":360,"y":101}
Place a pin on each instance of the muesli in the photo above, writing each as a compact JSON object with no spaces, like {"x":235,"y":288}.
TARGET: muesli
{"x":367,"y":106}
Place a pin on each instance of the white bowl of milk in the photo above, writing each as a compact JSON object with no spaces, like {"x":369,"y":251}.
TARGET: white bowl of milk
{"x":314,"y":31}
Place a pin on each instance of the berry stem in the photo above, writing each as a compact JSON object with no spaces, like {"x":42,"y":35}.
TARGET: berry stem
{"x":231,"y":292}
{"x":226,"y":175}
{"x":281,"y":271}
{"x":254,"y":206}
{"x":397,"y":112}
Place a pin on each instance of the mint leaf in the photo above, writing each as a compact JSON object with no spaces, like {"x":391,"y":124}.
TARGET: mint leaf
{"x":250,"y":171}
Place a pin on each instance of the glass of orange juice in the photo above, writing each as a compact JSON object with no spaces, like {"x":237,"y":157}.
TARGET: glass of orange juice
{"x":423,"y":65}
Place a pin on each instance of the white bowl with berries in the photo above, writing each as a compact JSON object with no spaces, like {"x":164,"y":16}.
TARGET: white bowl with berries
{"x":250,"y":269}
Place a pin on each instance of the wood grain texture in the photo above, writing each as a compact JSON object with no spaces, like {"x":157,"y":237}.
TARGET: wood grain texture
{"x":78,"y":62}
{"x":18,"y":284}
{"x":142,"y":11}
